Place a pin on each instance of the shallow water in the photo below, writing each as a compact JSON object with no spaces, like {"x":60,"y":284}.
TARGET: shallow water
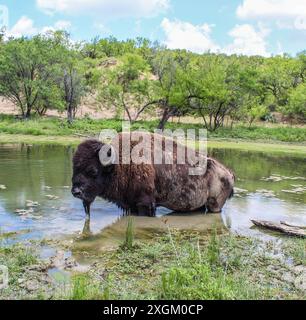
{"x":268,"y":187}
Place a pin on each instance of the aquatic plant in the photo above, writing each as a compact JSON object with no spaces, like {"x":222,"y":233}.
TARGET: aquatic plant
{"x":129,"y":234}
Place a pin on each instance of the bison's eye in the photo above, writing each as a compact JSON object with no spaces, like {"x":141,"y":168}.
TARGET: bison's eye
{"x":92,"y":172}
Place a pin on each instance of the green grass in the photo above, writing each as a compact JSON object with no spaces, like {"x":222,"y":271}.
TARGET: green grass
{"x":275,"y":139}
{"x":86,"y":126}
{"x":39,"y":140}
{"x":174,"y":265}
{"x":267,"y":147}
{"x":55,"y":126}
{"x":284,"y":134}
{"x":202,"y":275}
{"x":17,"y":259}
{"x":183,"y":265}
{"x":296,"y":249}
{"x":84,"y":287}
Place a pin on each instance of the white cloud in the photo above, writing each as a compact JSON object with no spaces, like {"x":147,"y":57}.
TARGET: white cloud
{"x":23,"y":27}
{"x":113,"y":8}
{"x":286,"y":13}
{"x":62,"y":25}
{"x":197,"y":38}
{"x":248,"y":41}
{"x":184,"y":35}
{"x":58,"y":25}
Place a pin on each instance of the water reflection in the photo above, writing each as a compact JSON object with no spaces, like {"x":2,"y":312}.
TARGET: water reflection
{"x":145,"y":228}
{"x":42,"y":174}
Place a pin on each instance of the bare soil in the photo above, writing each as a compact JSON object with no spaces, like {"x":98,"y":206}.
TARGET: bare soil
{"x":87,"y":108}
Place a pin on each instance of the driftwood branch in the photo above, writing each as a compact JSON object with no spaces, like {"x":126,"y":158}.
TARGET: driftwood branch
{"x":292,"y":225}
{"x":281,"y":227}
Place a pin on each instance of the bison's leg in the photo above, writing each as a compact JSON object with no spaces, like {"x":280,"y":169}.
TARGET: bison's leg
{"x":133,"y":210}
{"x":146,"y":206}
{"x":86,"y":206}
{"x":213,"y":206}
{"x":203,"y":208}
{"x":86,"y":229}
{"x":146,"y":210}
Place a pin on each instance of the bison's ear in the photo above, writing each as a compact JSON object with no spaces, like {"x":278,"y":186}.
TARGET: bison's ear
{"x":107,"y":155}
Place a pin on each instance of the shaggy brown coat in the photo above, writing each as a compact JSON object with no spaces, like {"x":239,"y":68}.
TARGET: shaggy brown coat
{"x":140,"y":188}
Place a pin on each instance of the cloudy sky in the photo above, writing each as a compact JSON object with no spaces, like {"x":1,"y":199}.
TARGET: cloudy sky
{"x":248,"y":27}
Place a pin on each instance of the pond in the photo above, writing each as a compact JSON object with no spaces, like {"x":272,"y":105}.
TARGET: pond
{"x":36,"y":203}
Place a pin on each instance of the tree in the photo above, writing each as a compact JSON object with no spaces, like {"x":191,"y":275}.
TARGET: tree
{"x":279,"y":74}
{"x":70,"y":74}
{"x":27,"y":69}
{"x":108,"y":47}
{"x":302,"y":65}
{"x":49,"y":98}
{"x":73,"y":88}
{"x":212,"y":84}
{"x":138,"y":76}
{"x":256,"y":112}
{"x":168,"y":67}
{"x":91,"y":50}
{"x":128,"y":87}
{"x":72,"y":77}
{"x":297,"y":102}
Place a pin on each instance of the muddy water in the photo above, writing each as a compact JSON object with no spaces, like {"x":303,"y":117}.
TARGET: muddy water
{"x":35,"y":181}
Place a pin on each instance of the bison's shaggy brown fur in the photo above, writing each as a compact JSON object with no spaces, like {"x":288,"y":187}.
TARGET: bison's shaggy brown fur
{"x":140,"y":188}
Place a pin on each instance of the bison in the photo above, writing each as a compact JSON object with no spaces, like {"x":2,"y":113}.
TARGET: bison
{"x":139,"y":188}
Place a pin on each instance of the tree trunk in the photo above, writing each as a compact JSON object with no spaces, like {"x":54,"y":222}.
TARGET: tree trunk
{"x":28,"y":113}
{"x":204,"y":119}
{"x":250,"y":123}
{"x":210,"y":122}
{"x":166,"y":116}
{"x":70,"y":114}
{"x":41,"y":111}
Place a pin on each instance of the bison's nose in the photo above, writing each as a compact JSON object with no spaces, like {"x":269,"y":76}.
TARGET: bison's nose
{"x":77,"y":192}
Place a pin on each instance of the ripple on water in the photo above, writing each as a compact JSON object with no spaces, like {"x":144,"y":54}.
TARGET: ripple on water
{"x":38,"y":178}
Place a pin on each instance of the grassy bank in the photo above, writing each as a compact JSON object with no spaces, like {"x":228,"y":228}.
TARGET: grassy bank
{"x":269,"y":147}
{"x":242,"y":145}
{"x":60,"y":127}
{"x":40,"y":140}
{"x":278,"y":140}
{"x":184,"y":265}
{"x":176,"y":265}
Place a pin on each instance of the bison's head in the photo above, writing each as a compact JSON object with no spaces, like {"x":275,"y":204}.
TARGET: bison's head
{"x":92,"y":166}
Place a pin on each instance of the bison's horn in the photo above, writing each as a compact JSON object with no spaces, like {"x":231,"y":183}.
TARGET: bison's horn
{"x":107,"y":155}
